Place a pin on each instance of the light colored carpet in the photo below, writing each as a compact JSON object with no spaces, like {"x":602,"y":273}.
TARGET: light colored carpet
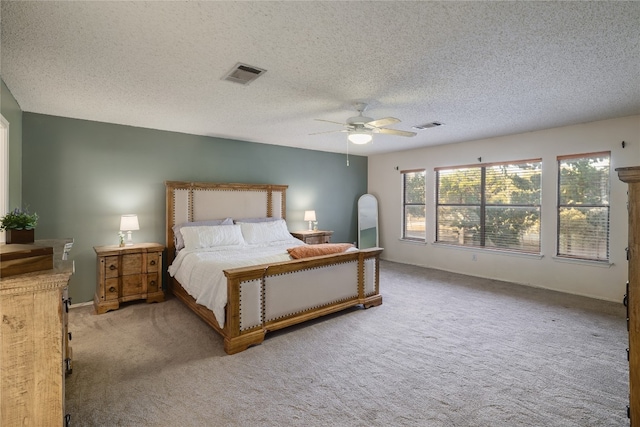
{"x":443,"y":350}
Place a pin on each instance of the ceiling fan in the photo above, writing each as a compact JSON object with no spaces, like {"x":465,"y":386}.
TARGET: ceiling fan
{"x":360,"y":129}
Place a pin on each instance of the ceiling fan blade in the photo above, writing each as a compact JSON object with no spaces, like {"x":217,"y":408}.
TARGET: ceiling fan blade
{"x":328,"y":131}
{"x":329,"y":121}
{"x":396,"y":132}
{"x":386,"y":121}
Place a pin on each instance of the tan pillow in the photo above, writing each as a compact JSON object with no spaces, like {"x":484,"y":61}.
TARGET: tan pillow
{"x":317,"y":250}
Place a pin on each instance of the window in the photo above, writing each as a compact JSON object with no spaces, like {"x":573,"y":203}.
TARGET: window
{"x":583,"y":206}
{"x":490,"y":206}
{"x":413,"y":205}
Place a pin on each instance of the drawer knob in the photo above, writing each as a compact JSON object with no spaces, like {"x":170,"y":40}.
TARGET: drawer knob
{"x":153,"y":283}
{"x":112,"y":289}
{"x":112,"y":267}
{"x":153,"y":262}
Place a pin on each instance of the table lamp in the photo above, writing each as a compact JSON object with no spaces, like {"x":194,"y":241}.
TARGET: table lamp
{"x":129,"y":223}
{"x":310,"y":216}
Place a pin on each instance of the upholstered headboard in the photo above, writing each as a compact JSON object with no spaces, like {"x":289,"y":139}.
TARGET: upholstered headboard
{"x":200,"y":201}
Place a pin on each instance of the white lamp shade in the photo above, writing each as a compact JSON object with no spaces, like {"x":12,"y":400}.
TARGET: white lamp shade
{"x":129,"y":223}
{"x":309,"y":215}
{"x":359,"y":138}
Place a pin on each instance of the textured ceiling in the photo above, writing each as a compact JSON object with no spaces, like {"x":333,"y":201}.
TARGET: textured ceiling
{"x":483,"y":69}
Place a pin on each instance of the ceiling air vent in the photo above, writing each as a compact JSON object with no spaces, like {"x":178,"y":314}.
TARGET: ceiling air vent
{"x":427,"y":125}
{"x":244,"y":74}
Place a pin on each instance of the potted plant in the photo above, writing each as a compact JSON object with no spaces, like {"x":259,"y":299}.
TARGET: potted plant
{"x":19,"y":226}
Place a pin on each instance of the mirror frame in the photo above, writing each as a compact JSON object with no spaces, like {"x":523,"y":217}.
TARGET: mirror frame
{"x":366,"y":216}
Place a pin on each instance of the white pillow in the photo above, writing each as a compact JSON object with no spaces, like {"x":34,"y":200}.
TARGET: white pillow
{"x":211,"y":236}
{"x":265,"y":232}
{"x":179,"y":241}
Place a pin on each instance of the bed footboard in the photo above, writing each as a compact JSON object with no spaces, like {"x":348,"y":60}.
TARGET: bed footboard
{"x":271,"y":297}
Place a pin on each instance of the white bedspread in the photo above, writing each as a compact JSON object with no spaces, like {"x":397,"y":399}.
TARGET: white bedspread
{"x":200,"y":271}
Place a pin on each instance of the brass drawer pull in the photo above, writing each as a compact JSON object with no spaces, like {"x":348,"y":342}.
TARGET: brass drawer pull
{"x":112,"y":289}
{"x":153,"y":283}
{"x":112,"y":267}
{"x":153,"y":262}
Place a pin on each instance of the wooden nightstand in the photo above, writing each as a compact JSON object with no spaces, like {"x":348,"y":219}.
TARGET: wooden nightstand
{"x":314,"y":237}
{"x":128,"y":273}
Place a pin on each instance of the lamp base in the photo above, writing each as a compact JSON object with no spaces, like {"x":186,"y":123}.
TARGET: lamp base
{"x":129,"y":239}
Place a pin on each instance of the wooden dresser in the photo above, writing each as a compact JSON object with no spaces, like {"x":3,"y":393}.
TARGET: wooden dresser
{"x":314,"y":237}
{"x":632,"y":177}
{"x":34,"y":349}
{"x":128,"y":273}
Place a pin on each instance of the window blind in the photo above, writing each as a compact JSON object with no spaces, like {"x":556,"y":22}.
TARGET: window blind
{"x":491,"y":205}
{"x":413,"y":205}
{"x":583,"y":206}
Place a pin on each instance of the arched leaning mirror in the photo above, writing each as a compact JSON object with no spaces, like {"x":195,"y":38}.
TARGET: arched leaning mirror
{"x":367,"y":221}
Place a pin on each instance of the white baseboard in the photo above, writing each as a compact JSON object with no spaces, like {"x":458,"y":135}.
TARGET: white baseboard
{"x":81,"y":304}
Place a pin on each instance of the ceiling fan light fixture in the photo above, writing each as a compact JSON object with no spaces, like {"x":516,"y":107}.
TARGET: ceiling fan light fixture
{"x":360,"y":138}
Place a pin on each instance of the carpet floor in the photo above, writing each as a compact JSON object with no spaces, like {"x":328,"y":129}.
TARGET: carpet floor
{"x":442,"y":350}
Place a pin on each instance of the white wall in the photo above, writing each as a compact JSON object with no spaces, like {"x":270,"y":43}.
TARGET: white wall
{"x":603,"y":282}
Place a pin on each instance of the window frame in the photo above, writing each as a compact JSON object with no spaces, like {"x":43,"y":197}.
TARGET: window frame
{"x":560,"y":206}
{"x":482,"y":206}
{"x":4,"y":167}
{"x":404,"y":235}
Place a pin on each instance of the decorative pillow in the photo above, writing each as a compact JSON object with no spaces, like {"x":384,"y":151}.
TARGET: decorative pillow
{"x":212,"y":236}
{"x":177,"y":234}
{"x":261,"y":219}
{"x":265,"y":232}
{"x":307,"y":251}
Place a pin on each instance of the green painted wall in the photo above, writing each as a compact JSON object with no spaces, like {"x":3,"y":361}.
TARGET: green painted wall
{"x":11,"y":111}
{"x":80,"y":176}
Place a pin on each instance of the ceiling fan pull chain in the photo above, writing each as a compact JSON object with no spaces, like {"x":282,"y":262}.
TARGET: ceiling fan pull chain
{"x":347,"y":153}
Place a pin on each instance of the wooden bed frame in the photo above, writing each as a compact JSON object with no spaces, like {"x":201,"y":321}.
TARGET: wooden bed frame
{"x":268,"y":297}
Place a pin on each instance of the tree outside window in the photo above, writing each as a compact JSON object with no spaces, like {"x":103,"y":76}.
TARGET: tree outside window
{"x":413,"y":205}
{"x":490,"y":206}
{"x":583,"y":206}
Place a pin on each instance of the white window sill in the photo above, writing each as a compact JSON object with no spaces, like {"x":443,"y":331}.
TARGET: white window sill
{"x":488,"y":250}
{"x":414,"y":242}
{"x":601,"y":264}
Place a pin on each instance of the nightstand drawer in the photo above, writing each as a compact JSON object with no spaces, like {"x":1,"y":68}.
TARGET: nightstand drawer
{"x":132,"y":285}
{"x":111,"y":288}
{"x":153,"y":262}
{"x":111,"y":264}
{"x":313,"y":237}
{"x":152,"y":282}
{"x":131,"y":264}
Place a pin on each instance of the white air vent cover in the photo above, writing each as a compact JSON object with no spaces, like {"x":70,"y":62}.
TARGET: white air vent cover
{"x":244,"y":74}
{"x":427,"y":125}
